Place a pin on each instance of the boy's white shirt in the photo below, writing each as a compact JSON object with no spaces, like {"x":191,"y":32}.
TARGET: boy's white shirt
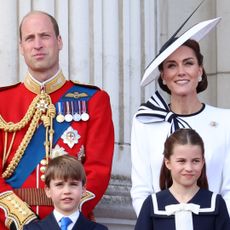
{"x":74,"y":217}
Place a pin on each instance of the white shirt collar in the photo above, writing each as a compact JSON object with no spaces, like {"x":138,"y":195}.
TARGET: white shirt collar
{"x":44,"y":82}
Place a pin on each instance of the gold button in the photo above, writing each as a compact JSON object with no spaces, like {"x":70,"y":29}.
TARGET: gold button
{"x":43,"y":162}
{"x":43,"y":177}
{"x":42,"y":169}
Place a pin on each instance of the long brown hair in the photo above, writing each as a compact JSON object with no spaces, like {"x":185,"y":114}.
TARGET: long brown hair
{"x":203,"y":84}
{"x":181,"y":137}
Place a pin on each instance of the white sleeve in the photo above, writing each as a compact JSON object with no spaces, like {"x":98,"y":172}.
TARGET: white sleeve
{"x":225,"y":188}
{"x":141,"y":174}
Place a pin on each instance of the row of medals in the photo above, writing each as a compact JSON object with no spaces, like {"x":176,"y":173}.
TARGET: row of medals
{"x":72,"y":111}
{"x":67,"y":111}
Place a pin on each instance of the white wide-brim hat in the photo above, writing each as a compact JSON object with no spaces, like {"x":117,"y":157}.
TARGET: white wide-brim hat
{"x":197,"y":32}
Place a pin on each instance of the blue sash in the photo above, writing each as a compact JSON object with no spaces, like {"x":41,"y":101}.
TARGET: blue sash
{"x":35,"y":151}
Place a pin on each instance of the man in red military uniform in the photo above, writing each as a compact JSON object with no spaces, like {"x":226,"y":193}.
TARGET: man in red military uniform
{"x":48,"y":116}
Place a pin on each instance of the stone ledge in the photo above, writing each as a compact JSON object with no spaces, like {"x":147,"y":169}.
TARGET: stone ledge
{"x":116,"y":203}
{"x":117,"y":224}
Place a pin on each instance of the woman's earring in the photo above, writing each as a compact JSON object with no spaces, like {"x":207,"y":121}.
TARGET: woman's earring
{"x":200,"y":78}
{"x":164,"y":82}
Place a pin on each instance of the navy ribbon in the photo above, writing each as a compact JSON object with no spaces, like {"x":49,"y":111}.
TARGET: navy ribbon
{"x":156,"y":110}
{"x":35,"y":151}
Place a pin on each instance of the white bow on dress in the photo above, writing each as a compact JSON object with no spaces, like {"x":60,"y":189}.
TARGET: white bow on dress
{"x":183,"y":214}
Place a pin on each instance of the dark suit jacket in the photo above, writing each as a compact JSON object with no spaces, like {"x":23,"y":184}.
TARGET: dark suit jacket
{"x":50,"y":223}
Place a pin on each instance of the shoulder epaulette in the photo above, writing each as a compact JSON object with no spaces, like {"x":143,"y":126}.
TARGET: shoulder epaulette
{"x":9,"y":86}
{"x":86,"y":85}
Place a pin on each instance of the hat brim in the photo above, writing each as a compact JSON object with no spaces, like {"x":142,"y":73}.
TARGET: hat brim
{"x":197,"y":32}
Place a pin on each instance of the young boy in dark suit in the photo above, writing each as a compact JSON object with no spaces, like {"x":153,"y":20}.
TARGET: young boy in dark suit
{"x":65,"y":184}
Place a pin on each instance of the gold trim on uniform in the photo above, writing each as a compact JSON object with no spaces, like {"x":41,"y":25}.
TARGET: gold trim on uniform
{"x":51,"y":86}
{"x":15,"y":210}
{"x":86,"y":197}
{"x":33,"y":116}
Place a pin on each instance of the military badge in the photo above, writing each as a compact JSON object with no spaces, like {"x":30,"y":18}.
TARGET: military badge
{"x":42,"y":105}
{"x":57,"y":151}
{"x":70,"y":137}
{"x":81,"y":154}
{"x":76,"y":95}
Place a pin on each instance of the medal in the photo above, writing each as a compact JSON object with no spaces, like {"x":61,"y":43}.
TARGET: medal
{"x":60,"y":117}
{"x":77,"y":117}
{"x":74,"y":107}
{"x":77,"y":111}
{"x":68,"y":116}
{"x":84,"y":115}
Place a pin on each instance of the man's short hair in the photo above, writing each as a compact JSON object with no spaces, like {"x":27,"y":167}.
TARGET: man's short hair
{"x":52,"y":19}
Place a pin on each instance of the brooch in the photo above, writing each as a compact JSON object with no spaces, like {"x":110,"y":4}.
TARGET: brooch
{"x":213,"y":123}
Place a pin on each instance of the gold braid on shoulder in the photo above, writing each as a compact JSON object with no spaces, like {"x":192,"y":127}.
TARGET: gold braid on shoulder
{"x":40,"y":109}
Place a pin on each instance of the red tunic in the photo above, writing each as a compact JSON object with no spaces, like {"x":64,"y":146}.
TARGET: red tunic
{"x":96,"y":136}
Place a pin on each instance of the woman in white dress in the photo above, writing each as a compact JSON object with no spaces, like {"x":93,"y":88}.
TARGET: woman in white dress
{"x":181,"y":75}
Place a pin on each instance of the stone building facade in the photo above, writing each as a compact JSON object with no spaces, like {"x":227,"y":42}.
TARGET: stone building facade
{"x":109,"y":43}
